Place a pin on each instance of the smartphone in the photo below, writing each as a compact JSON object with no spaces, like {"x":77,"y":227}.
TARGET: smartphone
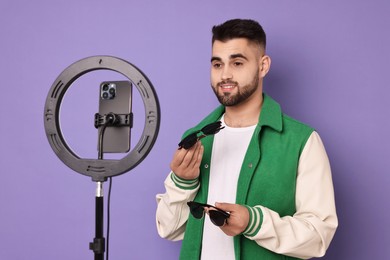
{"x":115,"y":97}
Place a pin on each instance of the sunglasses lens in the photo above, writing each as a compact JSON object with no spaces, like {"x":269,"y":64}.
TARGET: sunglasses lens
{"x":212,"y":128}
{"x":188,"y":141}
{"x":217,"y":218}
{"x":197,"y":211}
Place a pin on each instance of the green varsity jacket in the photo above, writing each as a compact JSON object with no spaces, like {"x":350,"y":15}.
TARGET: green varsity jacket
{"x":267,"y":178}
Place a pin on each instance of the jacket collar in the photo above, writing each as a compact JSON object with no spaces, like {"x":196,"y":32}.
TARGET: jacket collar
{"x":271,"y":114}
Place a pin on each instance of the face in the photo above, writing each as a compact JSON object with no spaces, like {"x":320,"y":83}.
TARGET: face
{"x":236,"y":75}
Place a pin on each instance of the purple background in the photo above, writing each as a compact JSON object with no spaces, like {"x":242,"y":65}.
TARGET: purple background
{"x":330,"y":64}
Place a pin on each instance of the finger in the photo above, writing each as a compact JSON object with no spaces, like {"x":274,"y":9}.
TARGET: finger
{"x":225,"y":206}
{"x":178,"y":157}
{"x":184,"y":156}
{"x":197,"y":159}
{"x":190,"y":156}
{"x":227,"y":229}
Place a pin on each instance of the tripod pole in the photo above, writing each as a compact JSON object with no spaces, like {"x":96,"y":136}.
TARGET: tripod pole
{"x":98,"y":244}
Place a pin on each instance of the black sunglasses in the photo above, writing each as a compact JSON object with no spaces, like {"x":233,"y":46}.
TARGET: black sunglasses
{"x":217,"y":216}
{"x":191,"y":139}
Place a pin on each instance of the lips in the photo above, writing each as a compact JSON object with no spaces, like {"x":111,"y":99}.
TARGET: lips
{"x":227,"y":86}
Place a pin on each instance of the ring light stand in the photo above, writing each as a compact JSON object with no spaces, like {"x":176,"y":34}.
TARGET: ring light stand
{"x":100,"y":169}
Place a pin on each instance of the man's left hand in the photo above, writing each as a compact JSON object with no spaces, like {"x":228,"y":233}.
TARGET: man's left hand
{"x":238,"y":220}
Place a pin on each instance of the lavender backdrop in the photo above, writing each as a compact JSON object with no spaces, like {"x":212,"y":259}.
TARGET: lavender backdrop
{"x":330,"y":68}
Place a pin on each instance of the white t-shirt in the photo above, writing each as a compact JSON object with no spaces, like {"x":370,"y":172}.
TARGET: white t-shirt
{"x":228,"y":153}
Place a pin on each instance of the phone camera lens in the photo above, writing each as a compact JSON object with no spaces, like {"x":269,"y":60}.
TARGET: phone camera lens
{"x":112,"y":92}
{"x":105,"y":87}
{"x":105,"y":95}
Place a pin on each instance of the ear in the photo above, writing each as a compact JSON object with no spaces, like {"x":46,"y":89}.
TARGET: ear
{"x":265,"y":64}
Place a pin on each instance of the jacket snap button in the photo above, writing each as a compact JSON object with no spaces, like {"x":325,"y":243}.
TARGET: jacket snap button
{"x":250,"y":165}
{"x":206,"y":166}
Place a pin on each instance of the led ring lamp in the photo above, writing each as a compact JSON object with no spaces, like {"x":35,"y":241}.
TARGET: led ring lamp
{"x":99,"y":170}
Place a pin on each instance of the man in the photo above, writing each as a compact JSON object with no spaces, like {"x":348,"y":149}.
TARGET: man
{"x":269,"y":171}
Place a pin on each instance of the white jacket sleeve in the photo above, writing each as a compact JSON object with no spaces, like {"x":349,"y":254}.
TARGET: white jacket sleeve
{"x":309,"y":231}
{"x":172,"y":210}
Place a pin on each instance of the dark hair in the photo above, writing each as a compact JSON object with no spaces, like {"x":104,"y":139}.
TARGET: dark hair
{"x":240,"y":28}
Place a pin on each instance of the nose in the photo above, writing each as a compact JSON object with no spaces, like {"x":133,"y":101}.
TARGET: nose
{"x":226,"y":73}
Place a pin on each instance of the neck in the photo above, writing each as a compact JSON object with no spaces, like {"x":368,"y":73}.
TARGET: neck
{"x":245,"y":114}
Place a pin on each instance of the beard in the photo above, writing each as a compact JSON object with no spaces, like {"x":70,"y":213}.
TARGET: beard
{"x":243,"y":92}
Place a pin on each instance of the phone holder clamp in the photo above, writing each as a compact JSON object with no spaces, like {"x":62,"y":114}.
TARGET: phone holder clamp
{"x":112,"y":119}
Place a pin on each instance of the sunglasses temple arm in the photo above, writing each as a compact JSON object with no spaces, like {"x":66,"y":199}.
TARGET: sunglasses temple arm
{"x":201,"y":136}
{"x":204,"y":135}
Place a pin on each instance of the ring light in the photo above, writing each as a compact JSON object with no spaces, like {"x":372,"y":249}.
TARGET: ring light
{"x":99,"y":170}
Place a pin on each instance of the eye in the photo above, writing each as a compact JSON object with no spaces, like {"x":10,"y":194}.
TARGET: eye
{"x":238,"y":63}
{"x":217,"y":65}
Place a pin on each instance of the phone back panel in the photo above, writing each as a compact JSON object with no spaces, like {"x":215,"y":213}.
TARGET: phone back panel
{"x":115,"y":97}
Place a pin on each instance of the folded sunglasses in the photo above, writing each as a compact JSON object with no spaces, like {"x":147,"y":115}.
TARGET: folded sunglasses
{"x":217,"y":216}
{"x":191,"y":139}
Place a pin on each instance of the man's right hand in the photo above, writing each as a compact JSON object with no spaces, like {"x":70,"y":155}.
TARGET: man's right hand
{"x":185,"y":163}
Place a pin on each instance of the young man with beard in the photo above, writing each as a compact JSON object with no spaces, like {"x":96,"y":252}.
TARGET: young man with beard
{"x":267,"y":170}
